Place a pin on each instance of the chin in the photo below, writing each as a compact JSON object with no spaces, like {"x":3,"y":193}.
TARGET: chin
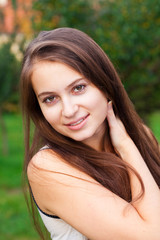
{"x":81,"y":137}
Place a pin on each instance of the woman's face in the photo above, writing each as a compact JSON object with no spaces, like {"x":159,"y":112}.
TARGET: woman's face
{"x":71,"y":104}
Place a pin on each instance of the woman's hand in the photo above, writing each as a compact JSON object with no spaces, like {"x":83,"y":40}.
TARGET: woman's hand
{"x":118,"y":134}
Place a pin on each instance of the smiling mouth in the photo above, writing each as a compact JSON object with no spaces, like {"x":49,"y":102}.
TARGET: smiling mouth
{"x":78,"y":122}
{"x":74,"y":124}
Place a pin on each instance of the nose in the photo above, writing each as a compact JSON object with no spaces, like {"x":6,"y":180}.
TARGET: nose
{"x":69,"y":108}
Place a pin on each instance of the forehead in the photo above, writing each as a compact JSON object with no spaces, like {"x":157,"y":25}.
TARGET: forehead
{"x":56,"y":67}
{"x":53,"y":76}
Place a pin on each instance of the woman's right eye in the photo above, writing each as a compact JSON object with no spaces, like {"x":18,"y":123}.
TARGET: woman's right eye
{"x":51,"y":99}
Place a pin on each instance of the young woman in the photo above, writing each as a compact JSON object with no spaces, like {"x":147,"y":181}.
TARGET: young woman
{"x":93,"y":166}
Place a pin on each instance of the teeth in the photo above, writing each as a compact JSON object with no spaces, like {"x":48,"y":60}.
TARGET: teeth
{"x":73,"y":124}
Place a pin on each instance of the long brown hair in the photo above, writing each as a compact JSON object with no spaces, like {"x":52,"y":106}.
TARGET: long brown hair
{"x":80,"y":52}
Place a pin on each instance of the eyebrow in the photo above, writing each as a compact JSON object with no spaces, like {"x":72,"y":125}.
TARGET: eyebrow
{"x":69,"y":86}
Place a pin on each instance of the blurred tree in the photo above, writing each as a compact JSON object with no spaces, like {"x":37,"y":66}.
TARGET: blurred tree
{"x":9,"y":77}
{"x":128,"y":31}
{"x":133,"y":43}
{"x":63,"y":13}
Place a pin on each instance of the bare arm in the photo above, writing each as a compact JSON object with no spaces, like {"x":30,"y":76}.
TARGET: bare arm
{"x":148,"y":206}
{"x":89,"y":207}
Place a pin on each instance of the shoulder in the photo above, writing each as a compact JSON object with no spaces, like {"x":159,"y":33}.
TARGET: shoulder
{"x":46,"y":165}
{"x":54,"y":182}
{"x":40,"y":162}
{"x":45,"y":159}
{"x":147,"y":130}
{"x":150,"y":134}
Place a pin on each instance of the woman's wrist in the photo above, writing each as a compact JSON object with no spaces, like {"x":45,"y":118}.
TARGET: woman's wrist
{"x":126,"y":147}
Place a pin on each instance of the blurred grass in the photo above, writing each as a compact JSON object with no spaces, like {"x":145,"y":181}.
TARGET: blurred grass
{"x":14,"y":218}
{"x":154,"y":123}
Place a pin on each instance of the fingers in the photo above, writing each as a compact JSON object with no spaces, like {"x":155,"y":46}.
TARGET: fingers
{"x":113,"y":121}
{"x":118,"y":132}
{"x":110,"y":115}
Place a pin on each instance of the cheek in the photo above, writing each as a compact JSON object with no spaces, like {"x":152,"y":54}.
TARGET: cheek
{"x":94,"y":98}
{"x":51,"y":116}
{"x":99,"y":103}
{"x":102,"y":110}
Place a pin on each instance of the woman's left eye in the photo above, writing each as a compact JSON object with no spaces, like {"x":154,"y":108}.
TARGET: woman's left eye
{"x":79,"y":88}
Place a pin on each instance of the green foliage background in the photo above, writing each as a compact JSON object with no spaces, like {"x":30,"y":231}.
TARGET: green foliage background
{"x":128,"y":31}
{"x":9,"y":74}
{"x":14,"y":216}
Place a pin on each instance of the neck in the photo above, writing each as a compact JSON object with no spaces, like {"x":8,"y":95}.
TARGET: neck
{"x":101,"y":141}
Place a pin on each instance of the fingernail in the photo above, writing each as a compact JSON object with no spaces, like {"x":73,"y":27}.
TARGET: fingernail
{"x":110,"y":105}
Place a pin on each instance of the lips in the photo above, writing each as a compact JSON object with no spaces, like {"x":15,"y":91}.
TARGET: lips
{"x":78,"y":124}
{"x":78,"y":121}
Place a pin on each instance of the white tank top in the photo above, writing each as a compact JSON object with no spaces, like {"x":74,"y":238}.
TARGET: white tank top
{"x":59,"y":229}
